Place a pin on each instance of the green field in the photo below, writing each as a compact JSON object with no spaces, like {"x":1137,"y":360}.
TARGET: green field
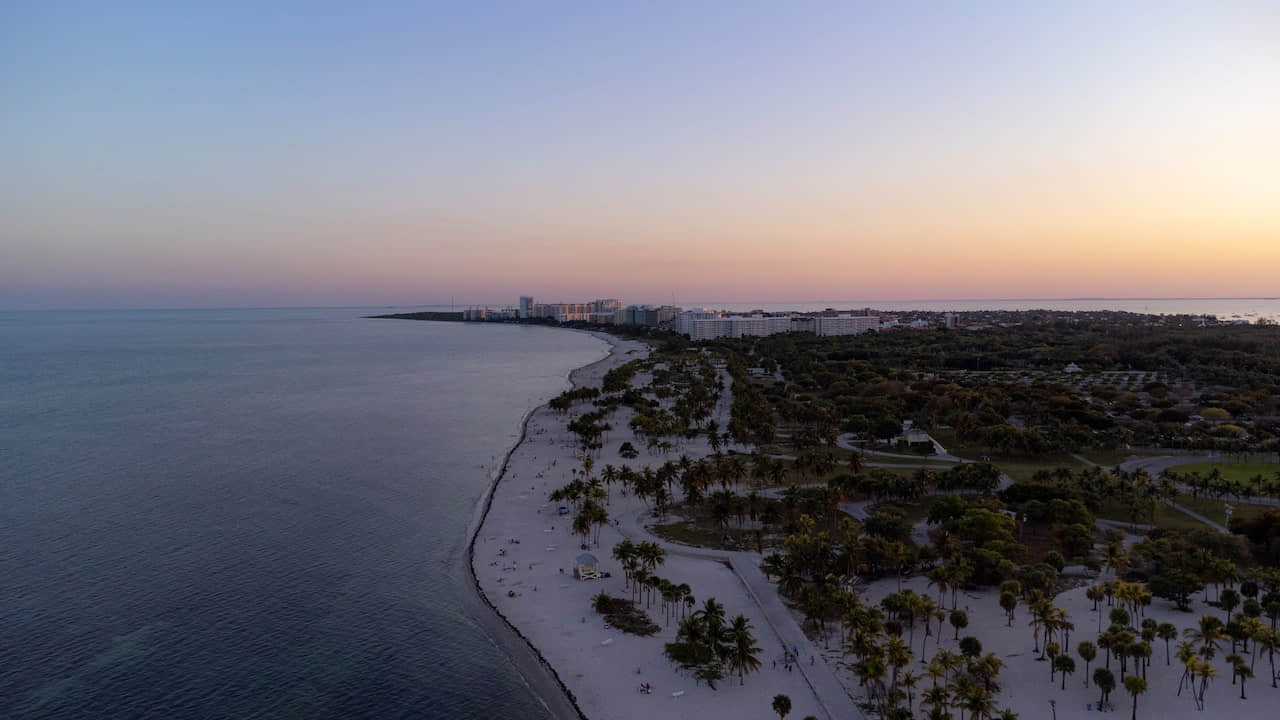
{"x":1166,"y":517}
{"x":1240,"y":472}
{"x":1213,"y":509}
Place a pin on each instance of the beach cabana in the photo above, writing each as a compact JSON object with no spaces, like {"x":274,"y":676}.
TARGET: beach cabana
{"x":586,"y":567}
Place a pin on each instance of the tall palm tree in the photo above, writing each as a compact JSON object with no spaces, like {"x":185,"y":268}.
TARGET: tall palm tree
{"x":1269,"y":640}
{"x":743,"y":653}
{"x":938,"y":698}
{"x":1104,"y":680}
{"x":1207,"y":672}
{"x":1087,"y":651}
{"x":1245,"y":672}
{"x":1166,"y":632}
{"x":1207,"y":634}
{"x":1136,"y":686}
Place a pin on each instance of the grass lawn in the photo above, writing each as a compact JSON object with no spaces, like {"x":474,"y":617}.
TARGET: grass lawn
{"x":923,"y":460}
{"x":1022,"y":469}
{"x":1111,"y":458}
{"x":1213,"y":509}
{"x":1017,"y":467}
{"x":1237,"y":471}
{"x":1166,"y":517}
{"x":706,"y":533}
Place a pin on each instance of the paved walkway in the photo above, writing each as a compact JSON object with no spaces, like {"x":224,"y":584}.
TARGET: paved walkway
{"x":831,"y":695}
{"x":846,"y":441}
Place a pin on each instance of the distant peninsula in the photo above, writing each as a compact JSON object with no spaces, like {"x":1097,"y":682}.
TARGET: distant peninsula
{"x":444,"y":316}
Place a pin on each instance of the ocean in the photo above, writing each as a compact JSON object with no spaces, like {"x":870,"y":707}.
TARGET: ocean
{"x":255,"y":513}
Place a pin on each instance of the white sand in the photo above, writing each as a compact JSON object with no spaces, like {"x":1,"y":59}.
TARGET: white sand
{"x":554,"y":611}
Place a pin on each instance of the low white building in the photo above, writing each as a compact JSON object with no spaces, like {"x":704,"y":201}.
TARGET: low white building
{"x":708,"y":325}
{"x":845,"y":324}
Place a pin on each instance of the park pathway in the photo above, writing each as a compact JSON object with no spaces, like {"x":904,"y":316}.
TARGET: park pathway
{"x":1154,"y":466}
{"x":831,"y":695}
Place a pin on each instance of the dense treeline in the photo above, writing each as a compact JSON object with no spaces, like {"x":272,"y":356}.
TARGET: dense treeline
{"x":1210,"y":387}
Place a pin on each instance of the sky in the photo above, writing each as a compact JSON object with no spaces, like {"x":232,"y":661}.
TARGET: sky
{"x":377,"y":153}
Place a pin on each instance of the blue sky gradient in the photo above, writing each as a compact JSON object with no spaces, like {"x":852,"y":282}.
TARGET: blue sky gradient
{"x":346,"y":153}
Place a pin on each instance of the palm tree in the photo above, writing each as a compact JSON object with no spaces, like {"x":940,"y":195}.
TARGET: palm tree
{"x":1096,"y":593}
{"x":1186,"y":656}
{"x":1088,"y":651}
{"x":1207,"y":672}
{"x":937,"y":698}
{"x":1166,"y":632}
{"x":909,"y":681}
{"x":1244,"y":672}
{"x":1065,"y":665}
{"x":1207,"y":635}
{"x":1104,"y":680}
{"x":1269,"y":640}
{"x":1136,"y":686}
{"x":781,"y":705}
{"x":897,"y":654}
{"x":959,"y":620}
{"x":743,"y":651}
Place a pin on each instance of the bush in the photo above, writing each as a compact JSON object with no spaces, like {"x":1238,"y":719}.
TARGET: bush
{"x":624,"y":615}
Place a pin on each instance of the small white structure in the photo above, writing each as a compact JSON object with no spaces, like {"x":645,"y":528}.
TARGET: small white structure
{"x":586,"y":567}
{"x":1072,"y":368}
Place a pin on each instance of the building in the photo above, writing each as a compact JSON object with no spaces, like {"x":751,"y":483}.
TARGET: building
{"x":845,"y":324}
{"x":647,"y":315}
{"x":586,"y":567}
{"x":707,"y":325}
{"x":950,"y":321}
{"x":526,"y":307}
{"x":602,"y":312}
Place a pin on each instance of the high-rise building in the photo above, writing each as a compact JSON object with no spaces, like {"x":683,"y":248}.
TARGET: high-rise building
{"x":526,"y":307}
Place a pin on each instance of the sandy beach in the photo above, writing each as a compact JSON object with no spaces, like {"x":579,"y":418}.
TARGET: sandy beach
{"x":523,"y":554}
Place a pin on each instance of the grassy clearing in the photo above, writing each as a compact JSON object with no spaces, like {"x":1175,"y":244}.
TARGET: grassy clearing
{"x":1020,"y":468}
{"x":1214,"y":510}
{"x":923,"y":460}
{"x":1165,"y":517}
{"x":1243,"y":472}
{"x":705,"y":534}
{"x":1023,"y":469}
{"x":1111,"y":458}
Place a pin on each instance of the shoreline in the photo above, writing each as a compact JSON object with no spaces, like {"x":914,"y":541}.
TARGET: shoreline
{"x":521,"y":648}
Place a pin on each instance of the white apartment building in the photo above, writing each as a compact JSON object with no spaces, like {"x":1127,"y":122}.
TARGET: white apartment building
{"x":845,"y":324}
{"x":707,"y":325}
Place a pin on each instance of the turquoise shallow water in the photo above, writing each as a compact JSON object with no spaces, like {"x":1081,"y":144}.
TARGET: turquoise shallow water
{"x":254,"y":513}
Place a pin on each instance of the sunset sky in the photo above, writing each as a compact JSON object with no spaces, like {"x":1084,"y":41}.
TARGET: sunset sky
{"x":284,"y":153}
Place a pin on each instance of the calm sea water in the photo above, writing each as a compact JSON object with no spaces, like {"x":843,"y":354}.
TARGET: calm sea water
{"x":254,"y":513}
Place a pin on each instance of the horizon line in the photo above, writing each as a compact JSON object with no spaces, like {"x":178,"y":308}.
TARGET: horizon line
{"x":709,"y":302}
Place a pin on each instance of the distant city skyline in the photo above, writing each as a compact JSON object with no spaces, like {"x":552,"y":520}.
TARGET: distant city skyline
{"x":393,"y":153}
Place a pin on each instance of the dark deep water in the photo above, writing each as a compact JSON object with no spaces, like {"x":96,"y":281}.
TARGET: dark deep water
{"x":254,"y":513}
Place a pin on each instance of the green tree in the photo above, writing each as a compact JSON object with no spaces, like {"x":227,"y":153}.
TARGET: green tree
{"x":959,"y":620}
{"x":1065,"y":665}
{"x":1105,"y":681}
{"x":743,"y":654}
{"x":1088,"y":651}
{"x":781,"y":705}
{"x":1135,"y":686}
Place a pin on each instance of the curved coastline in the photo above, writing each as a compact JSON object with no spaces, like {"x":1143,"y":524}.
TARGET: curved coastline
{"x":554,"y":691}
